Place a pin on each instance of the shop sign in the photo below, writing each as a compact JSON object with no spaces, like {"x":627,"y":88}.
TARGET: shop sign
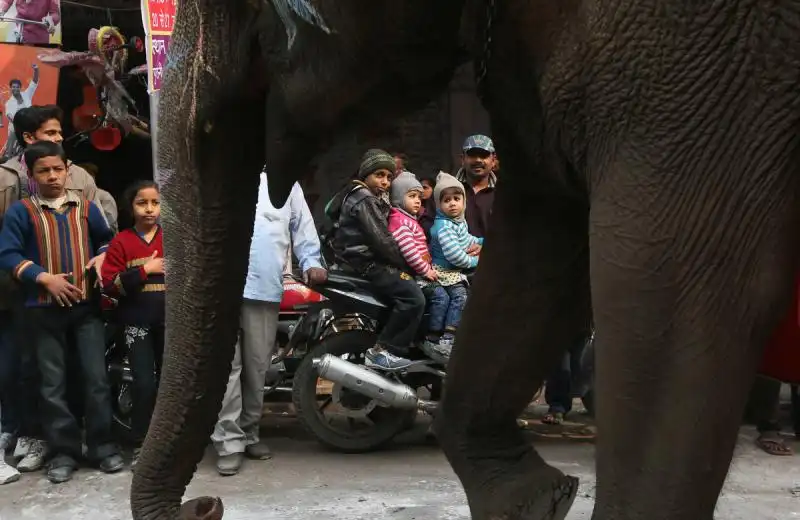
{"x":158,"y":17}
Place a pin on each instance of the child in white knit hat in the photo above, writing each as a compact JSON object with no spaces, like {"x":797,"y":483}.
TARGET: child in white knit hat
{"x":454,"y":251}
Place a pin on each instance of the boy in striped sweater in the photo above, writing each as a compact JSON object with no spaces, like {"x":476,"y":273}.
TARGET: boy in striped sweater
{"x":453,"y":250}
{"x":406,"y":197}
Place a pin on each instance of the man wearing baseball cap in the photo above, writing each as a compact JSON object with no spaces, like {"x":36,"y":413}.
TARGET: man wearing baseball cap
{"x":478,"y":161}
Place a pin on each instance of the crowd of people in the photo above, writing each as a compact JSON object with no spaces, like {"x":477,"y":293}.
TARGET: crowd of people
{"x":52,"y":246}
{"x":63,"y":264}
{"x":417,"y":239}
{"x":417,"y":256}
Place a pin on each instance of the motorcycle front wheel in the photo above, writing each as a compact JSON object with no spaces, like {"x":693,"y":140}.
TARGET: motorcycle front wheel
{"x":359,"y":425}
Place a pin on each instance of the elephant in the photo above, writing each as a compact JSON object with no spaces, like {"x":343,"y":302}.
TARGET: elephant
{"x":649,"y":188}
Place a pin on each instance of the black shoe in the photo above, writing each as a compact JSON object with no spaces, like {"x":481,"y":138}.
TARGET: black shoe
{"x":61,"y":469}
{"x":228,"y":465}
{"x":112,"y":463}
{"x":258,"y":451}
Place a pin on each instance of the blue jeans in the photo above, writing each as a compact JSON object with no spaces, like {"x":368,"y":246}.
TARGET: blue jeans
{"x":445,"y":307}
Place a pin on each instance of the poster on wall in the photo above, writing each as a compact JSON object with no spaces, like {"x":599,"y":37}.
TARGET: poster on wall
{"x":158,"y":17}
{"x":24,"y":81}
{"x":30,"y":22}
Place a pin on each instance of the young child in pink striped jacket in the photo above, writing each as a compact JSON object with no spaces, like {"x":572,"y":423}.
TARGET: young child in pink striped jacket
{"x":406,"y":198}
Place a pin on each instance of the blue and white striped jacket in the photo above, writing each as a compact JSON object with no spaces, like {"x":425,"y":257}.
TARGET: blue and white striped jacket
{"x":450,"y":239}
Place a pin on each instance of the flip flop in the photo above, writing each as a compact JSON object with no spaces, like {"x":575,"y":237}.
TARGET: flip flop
{"x":774,"y":446}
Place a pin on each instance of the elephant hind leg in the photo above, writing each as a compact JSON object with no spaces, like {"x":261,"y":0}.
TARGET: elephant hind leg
{"x":686,"y":291}
{"x":530,"y":300}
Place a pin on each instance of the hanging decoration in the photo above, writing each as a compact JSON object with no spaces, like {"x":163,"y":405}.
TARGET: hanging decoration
{"x":107,"y":111}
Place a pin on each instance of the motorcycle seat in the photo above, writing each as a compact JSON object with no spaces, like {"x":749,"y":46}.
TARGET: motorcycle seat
{"x":346,"y":281}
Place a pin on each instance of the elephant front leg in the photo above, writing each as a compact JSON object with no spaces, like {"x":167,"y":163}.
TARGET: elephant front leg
{"x":686,"y":290}
{"x":530,"y":300}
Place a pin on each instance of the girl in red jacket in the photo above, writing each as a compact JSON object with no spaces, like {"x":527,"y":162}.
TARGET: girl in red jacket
{"x":133,"y":273}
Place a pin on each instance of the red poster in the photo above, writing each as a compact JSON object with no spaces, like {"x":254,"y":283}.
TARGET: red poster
{"x":24,"y":81}
{"x":161,"y":16}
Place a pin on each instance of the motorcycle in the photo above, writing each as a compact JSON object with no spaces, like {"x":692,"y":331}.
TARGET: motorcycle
{"x":369,"y":407}
{"x":386,"y":401}
{"x":290,"y":349}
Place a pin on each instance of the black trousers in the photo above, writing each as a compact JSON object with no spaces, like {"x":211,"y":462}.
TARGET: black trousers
{"x":49,"y":329}
{"x":19,"y":376}
{"x":74,"y":380}
{"x":146,"y":352}
{"x":561,"y":385}
{"x":765,"y":402}
{"x":409,"y":306}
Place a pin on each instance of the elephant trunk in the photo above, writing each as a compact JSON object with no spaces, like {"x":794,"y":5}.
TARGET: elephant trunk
{"x":211,"y":150}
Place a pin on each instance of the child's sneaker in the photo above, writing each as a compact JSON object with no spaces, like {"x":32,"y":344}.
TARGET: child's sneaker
{"x":34,"y":459}
{"x":382,"y":358}
{"x":445,"y":345}
{"x":7,"y":473}
{"x":23,"y":443}
{"x":433,"y":337}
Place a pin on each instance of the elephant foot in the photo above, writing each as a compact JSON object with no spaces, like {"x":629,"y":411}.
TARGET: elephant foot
{"x":203,"y":508}
{"x":535,"y":501}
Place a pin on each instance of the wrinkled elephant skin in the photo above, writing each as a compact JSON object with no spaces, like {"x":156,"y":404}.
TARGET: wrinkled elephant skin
{"x":233,"y":93}
{"x":649,"y":184}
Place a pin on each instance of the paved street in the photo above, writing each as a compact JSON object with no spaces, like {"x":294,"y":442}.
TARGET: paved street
{"x":410,"y":482}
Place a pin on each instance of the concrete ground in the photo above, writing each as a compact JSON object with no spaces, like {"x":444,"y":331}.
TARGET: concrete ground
{"x":411,"y":481}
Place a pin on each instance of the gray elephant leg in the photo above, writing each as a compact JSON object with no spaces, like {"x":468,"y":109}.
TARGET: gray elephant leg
{"x":691,"y":272}
{"x":211,"y":144}
{"x":530,"y":298}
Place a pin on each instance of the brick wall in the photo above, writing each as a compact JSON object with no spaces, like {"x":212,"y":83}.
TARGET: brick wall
{"x":431,"y":137}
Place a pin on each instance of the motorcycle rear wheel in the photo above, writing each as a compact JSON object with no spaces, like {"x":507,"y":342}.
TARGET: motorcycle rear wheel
{"x":386,"y":422}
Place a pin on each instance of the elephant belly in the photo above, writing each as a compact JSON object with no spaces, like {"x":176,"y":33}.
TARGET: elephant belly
{"x":782,"y":355}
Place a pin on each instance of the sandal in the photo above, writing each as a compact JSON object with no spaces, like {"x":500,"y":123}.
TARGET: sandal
{"x":556,"y":418}
{"x":586,"y":433}
{"x":773,"y":445}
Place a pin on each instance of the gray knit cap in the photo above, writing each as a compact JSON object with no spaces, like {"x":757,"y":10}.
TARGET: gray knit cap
{"x":444,"y":181}
{"x":374,"y":160}
{"x":401,"y":185}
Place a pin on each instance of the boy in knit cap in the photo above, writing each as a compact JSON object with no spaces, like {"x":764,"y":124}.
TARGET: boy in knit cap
{"x":362,"y":241}
{"x":453,"y":250}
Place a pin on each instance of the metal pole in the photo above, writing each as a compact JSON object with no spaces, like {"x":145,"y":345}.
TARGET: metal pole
{"x":22,"y":20}
{"x":154,"y":134}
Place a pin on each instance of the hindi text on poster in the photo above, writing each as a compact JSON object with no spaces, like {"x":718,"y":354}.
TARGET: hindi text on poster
{"x":159,"y":44}
{"x":161,"y":14}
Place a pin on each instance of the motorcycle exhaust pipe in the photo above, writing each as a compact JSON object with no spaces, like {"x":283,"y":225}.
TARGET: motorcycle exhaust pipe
{"x":367,"y":382}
